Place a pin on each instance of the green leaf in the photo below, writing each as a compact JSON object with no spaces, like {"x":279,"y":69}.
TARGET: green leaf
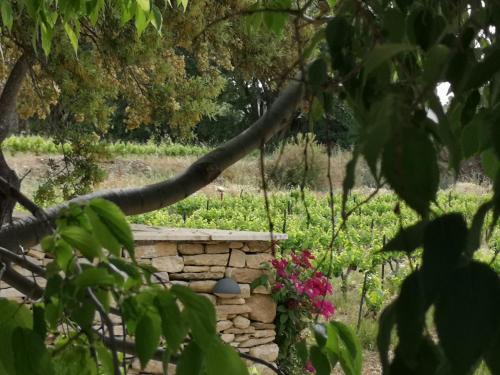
{"x":349,"y":180}
{"x":445,"y":240}
{"x":474,"y":233}
{"x":173,"y":327}
{"x":407,"y":239}
{"x":144,"y":5}
{"x":102,"y":232}
{"x":318,"y":73}
{"x":75,"y":359}
{"x":319,"y":361}
{"x":81,"y":240}
{"x":351,"y":353}
{"x":410,"y":311}
{"x":157,"y":18}
{"x":184,"y":3}
{"x":332,"y":345}
{"x":6,"y":10}
{"x":483,"y":71}
{"x":375,"y":133}
{"x":73,"y":37}
{"x":95,"y":11}
{"x":64,"y":254}
{"x":12,"y":315}
{"x":30,"y":355}
{"x":84,"y":314}
{"x":470,"y":107}
{"x":490,"y":163}
{"x":394,"y":24}
{"x":409,"y":164}
{"x":383,"y":53}
{"x":115,"y":220}
{"x":47,"y":33}
{"x":275,"y":21}
{"x":466,"y":315}
{"x":91,"y":277}
{"x":53,"y":312}
{"x":39,"y":325}
{"x":316,"y":110}
{"x":147,"y":337}
{"x":302,"y":351}
{"x":435,"y":64}
{"x":220,"y":356}
{"x":200,"y":315}
{"x":470,"y":140}
{"x":190,"y":361}
{"x":141,"y":20}
{"x":338,"y":34}
{"x":427,"y":27}
{"x":105,"y":358}
{"x":386,"y":323}
{"x":492,"y":358}
{"x":495,"y":134}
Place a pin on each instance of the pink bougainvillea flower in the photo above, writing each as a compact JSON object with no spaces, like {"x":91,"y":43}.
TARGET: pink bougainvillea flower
{"x":324,"y":308}
{"x":278,"y":286}
{"x":309,"y":368}
{"x":280,"y":267}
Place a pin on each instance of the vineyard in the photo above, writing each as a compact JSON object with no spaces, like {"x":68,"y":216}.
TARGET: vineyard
{"x":44,"y":145}
{"x":308,"y":222}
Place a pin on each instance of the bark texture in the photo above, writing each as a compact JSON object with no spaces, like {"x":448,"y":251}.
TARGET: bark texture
{"x":8,"y":118}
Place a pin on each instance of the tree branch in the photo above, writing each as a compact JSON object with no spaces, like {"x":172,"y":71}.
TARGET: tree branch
{"x":8,"y":256}
{"x":22,"y":284}
{"x":29,"y":231}
{"x":129,"y":348}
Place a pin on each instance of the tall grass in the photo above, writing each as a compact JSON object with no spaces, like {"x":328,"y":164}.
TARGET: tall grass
{"x":41,"y":145}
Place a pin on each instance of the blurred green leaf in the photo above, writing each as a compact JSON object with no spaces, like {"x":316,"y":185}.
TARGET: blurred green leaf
{"x":173,"y":326}
{"x":383,"y":53}
{"x":81,"y":240}
{"x":147,"y":337}
{"x":219,"y":356}
{"x":191,"y":360}
{"x":319,"y":361}
{"x":30,"y":355}
{"x":111,"y":215}
{"x":409,"y":164}
{"x":407,"y":239}
{"x":91,"y":277}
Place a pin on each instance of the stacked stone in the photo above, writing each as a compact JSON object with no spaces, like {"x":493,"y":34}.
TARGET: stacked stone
{"x":244,"y":321}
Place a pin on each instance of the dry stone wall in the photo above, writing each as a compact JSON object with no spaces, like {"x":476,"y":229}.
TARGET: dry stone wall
{"x":198,"y":259}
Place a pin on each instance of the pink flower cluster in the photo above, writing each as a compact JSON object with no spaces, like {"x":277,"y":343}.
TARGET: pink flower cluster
{"x":307,"y":288}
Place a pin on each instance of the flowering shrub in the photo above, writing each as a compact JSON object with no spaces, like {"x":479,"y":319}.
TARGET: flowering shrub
{"x":301,"y":293}
{"x":300,"y":288}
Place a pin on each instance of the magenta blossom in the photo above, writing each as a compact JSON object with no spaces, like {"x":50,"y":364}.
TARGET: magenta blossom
{"x":325,"y":308}
{"x":309,"y":368}
{"x":278,"y":286}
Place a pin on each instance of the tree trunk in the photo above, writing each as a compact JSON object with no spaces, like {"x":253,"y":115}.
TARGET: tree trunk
{"x":8,"y":117}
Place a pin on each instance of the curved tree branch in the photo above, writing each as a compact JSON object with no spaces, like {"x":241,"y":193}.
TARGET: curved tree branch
{"x":29,"y":231}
